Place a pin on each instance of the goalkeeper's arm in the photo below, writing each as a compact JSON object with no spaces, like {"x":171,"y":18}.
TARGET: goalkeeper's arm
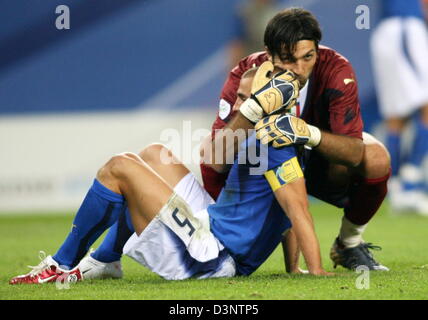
{"x":218,"y":152}
{"x":285,"y":130}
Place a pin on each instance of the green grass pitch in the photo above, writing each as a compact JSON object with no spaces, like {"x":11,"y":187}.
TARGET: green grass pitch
{"x":405,"y":250}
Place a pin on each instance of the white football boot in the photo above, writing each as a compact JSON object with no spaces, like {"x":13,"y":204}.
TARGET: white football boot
{"x":94,"y":269}
{"x":410,"y":201}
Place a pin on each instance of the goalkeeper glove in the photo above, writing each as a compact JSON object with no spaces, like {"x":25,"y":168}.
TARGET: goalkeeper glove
{"x":270,"y":95}
{"x":285,"y":130}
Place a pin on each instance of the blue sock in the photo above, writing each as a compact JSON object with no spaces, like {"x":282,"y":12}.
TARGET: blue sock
{"x":393,"y":144}
{"x":112,"y":246}
{"x":420,"y":144}
{"x":100,"y":209}
{"x":416,"y":157}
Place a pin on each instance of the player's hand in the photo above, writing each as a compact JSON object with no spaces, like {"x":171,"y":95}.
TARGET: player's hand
{"x":285,"y":130}
{"x":269,"y":94}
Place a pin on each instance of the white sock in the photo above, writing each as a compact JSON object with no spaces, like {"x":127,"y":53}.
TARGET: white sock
{"x":351,"y":234}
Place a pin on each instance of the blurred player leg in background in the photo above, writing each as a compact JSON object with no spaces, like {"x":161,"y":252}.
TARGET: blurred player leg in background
{"x":399,"y":48}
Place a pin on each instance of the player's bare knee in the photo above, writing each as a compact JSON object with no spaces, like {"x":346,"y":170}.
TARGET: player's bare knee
{"x":156,"y":153}
{"x":377,"y":161}
{"x":383,"y":161}
{"x":107,"y":174}
{"x":130,"y":155}
{"x":151,"y":152}
{"x":114,"y":168}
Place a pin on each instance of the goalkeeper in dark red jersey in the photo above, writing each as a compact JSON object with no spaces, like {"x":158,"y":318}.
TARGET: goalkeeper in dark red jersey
{"x":346,"y":167}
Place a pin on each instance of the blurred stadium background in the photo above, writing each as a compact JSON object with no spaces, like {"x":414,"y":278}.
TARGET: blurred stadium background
{"x":124,"y":72}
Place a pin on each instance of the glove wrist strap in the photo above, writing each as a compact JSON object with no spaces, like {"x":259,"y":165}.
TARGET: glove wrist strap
{"x":251,"y":110}
{"x":315,"y":138}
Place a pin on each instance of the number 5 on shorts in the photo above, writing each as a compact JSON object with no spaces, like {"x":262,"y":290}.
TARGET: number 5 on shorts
{"x":185,"y":222}
{"x":178,"y":216}
{"x":192,"y":229}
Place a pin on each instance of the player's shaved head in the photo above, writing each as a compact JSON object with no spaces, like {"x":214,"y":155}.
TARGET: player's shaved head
{"x":287,"y":28}
{"x":244,"y":89}
{"x":250,"y":73}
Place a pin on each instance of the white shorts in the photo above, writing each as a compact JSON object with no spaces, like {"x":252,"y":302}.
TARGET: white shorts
{"x":166,"y":251}
{"x":399,"y":48}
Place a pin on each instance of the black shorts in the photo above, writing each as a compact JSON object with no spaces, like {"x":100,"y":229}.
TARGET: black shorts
{"x":318,"y":183}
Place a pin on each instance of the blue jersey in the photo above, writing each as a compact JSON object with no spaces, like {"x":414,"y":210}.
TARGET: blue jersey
{"x":402,"y":8}
{"x":247,"y":218}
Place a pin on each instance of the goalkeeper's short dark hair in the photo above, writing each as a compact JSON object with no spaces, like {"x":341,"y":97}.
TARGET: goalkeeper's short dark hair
{"x":288,"y":27}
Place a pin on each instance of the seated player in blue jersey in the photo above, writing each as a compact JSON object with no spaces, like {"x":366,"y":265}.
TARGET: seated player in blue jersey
{"x":179,"y":231}
{"x":104,"y":262}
